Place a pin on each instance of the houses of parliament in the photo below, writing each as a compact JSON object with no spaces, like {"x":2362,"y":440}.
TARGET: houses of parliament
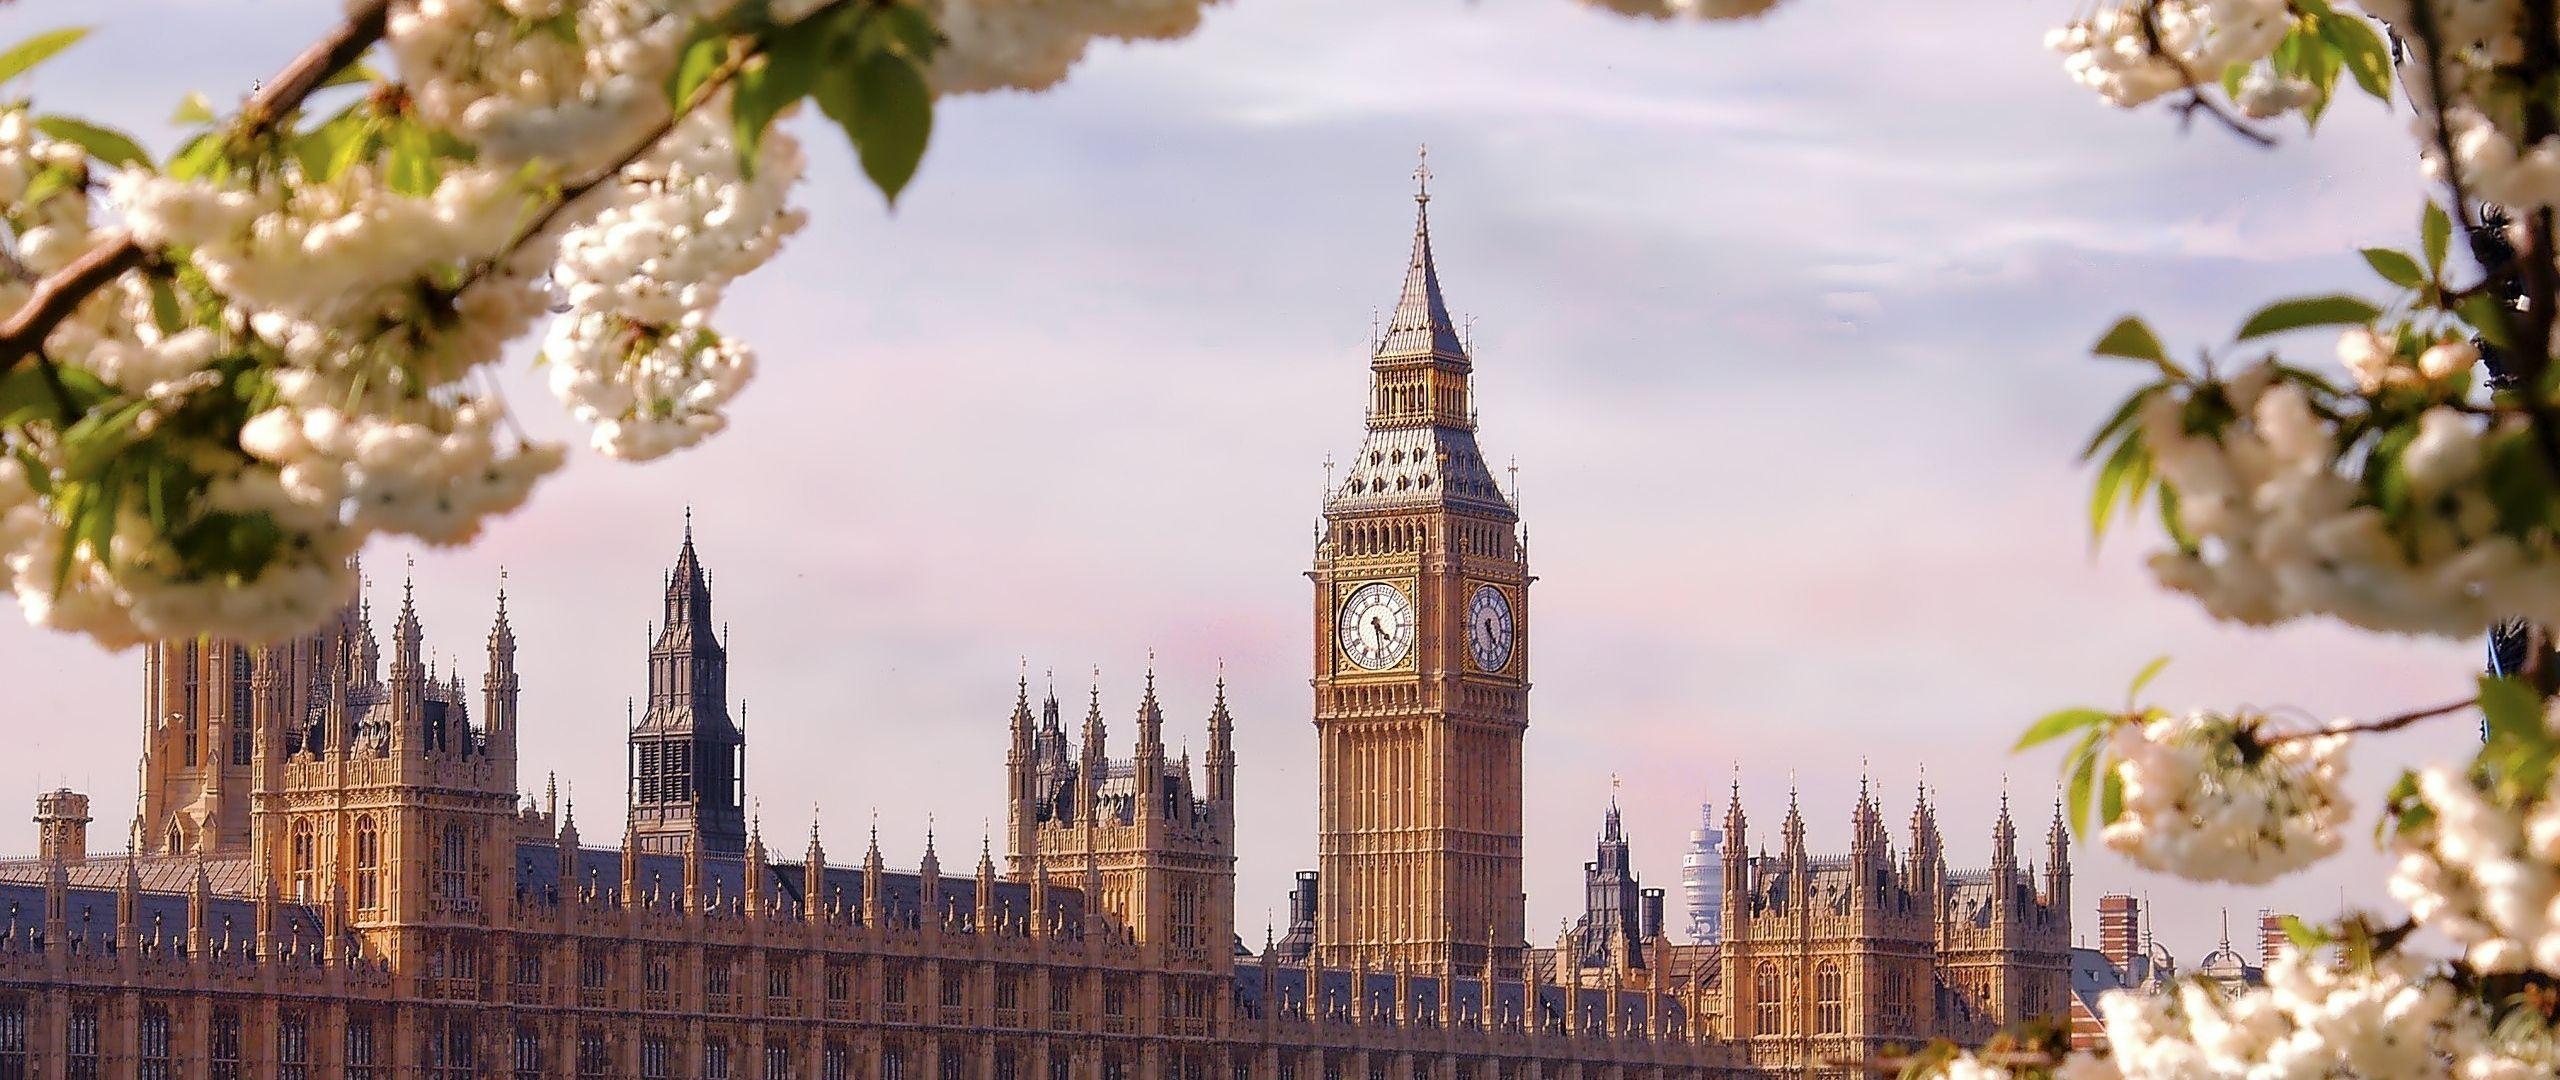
{"x":335,"y":872}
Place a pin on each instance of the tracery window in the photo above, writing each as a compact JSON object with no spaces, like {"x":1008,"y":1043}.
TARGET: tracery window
{"x":453,"y":864}
{"x":777,"y":1062}
{"x":1764,"y":999}
{"x":657,"y":1058}
{"x":305,"y":856}
{"x":955,"y":983}
{"x":360,"y":1049}
{"x":222,"y":1045}
{"x":837,"y":1063}
{"x":593,"y":1062}
{"x":368,"y":864}
{"x":1828,"y":990}
{"x":451,"y":1054}
{"x":81,"y":1042}
{"x":293,"y":1047}
{"x":715,"y":1059}
{"x":13,"y":1038}
{"x":528,"y":1056}
{"x":153,"y":1056}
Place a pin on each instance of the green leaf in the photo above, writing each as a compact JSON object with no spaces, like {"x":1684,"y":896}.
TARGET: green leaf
{"x":165,"y":312}
{"x":789,"y":69}
{"x":2132,"y":339}
{"x":201,"y":158}
{"x":2361,"y":50}
{"x":2083,"y":773}
{"x":2056,"y":725}
{"x":25,"y":55}
{"x":355,"y":72}
{"x":24,"y":396}
{"x":2518,"y":485}
{"x":701,"y":56}
{"x":2301,"y":312}
{"x":2169,"y":521}
{"x":2123,"y":416}
{"x":195,"y":108}
{"x":904,"y":28}
{"x":883,"y":105}
{"x":90,"y":445}
{"x":2513,"y":709}
{"x":411,"y":168}
{"x":2395,"y":267}
{"x":2124,"y":476}
{"x":2435,"y":233}
{"x":2149,"y":672}
{"x":2110,"y":795}
{"x":2304,"y":936}
{"x":103,"y":143}
{"x":48,"y":182}
{"x":2488,"y":318}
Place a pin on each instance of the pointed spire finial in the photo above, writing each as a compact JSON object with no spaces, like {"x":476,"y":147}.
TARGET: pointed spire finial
{"x":1422,"y":174}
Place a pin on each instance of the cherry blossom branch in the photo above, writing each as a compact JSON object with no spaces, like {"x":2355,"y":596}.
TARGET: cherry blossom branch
{"x":2196,"y":100}
{"x":569,"y":194}
{"x":61,"y":293}
{"x":2376,"y":727}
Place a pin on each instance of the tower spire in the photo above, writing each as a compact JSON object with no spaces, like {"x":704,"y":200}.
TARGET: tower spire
{"x":1421,"y":327}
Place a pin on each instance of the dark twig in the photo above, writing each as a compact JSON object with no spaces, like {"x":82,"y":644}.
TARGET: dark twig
{"x":60,"y":293}
{"x":2197,"y":101}
{"x":2374,"y":727}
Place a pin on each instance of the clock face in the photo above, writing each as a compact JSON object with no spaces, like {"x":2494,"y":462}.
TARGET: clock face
{"x":1489,"y":628}
{"x":1375,"y":628}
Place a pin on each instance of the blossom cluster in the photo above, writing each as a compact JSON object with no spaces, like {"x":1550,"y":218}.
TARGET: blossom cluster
{"x":2134,"y":51}
{"x":2214,"y":798}
{"x":2483,"y":872}
{"x":633,"y":355}
{"x":2311,"y":1018}
{"x":2279,"y":522}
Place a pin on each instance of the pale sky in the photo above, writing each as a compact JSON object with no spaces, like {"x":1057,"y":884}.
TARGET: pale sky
{"x":1784,"y":324}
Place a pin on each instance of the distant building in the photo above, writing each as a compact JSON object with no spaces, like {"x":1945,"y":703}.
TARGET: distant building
{"x":2128,"y":959}
{"x":1702,"y":878}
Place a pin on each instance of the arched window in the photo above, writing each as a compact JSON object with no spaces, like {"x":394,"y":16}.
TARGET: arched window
{"x":368,"y":865}
{"x":304,"y":851}
{"x":1764,"y":998}
{"x":1828,"y":991}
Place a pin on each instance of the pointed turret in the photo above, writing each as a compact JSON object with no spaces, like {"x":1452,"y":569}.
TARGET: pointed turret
{"x":2057,"y":869}
{"x":1090,"y":755}
{"x":1793,"y":830}
{"x":1150,"y":756}
{"x":688,"y":757}
{"x":813,"y":876}
{"x":499,"y":686}
{"x":1222,"y":753}
{"x":2004,"y":838}
{"x":984,"y":920}
{"x":872,"y":878}
{"x":751,"y":875}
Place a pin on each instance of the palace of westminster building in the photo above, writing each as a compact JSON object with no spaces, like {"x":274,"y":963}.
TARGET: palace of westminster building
{"x":334,"y":872}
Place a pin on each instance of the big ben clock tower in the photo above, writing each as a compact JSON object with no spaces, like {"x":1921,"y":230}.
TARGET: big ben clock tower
{"x":1421,"y":665}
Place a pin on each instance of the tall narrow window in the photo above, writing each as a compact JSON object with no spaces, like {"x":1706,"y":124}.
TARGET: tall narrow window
{"x":368,"y":864}
{"x":293,"y":1047}
{"x":13,"y":1038}
{"x":657,"y":1058}
{"x":1828,"y":990}
{"x":222,"y":1050}
{"x":153,"y":1058}
{"x":360,"y":1049}
{"x":305,"y":856}
{"x":715,"y":1059}
{"x":777,"y":1062}
{"x":453,"y":864}
{"x":528,"y":1063}
{"x":81,"y":1045}
{"x":1764,"y":999}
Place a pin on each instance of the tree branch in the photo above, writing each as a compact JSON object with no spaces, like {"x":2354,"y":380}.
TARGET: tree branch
{"x":2196,"y":100}
{"x":2375,"y":727}
{"x":61,"y":293}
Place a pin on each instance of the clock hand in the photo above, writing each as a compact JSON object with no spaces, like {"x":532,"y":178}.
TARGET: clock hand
{"x":1378,"y":627}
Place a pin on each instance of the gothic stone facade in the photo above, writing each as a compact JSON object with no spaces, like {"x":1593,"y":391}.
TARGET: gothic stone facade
{"x":333,"y":873}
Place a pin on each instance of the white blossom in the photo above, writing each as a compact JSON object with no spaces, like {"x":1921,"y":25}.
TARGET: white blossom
{"x":2197,"y":805}
{"x":2111,"y":50}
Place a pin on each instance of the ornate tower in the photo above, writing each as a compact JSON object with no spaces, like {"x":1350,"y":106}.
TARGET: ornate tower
{"x":1421,"y":665}
{"x":688,"y":759}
